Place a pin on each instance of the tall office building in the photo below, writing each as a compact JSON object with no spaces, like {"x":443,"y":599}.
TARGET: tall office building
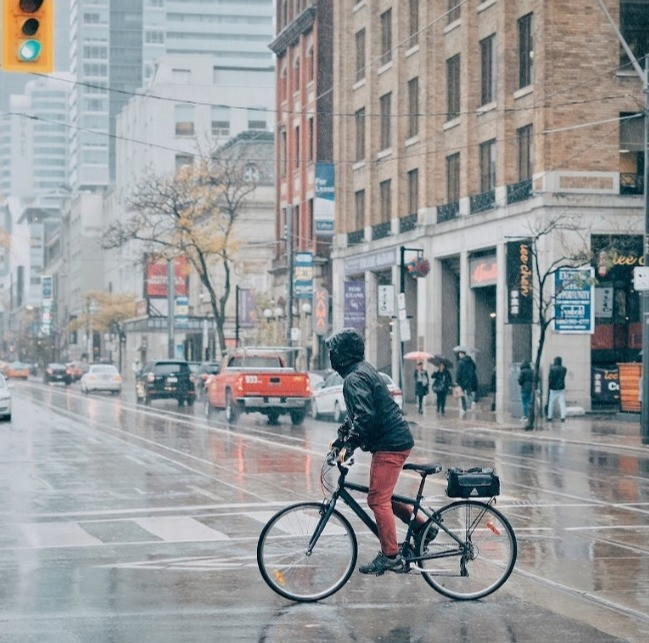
{"x":114,"y":50}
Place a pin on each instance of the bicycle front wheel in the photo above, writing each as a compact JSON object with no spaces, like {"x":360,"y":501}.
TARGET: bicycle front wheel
{"x":478,"y":566}
{"x":284,"y":559}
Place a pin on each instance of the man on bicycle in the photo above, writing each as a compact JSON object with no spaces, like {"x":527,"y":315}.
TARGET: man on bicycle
{"x":374,"y":423}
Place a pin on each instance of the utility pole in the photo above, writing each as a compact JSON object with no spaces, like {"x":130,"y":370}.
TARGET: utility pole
{"x":236,"y":315}
{"x":289,"y":251}
{"x":171,"y":300}
{"x":644,"y":77}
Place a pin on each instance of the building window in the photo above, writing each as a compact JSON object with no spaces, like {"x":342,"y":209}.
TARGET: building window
{"x":282,"y":152}
{"x":385,"y":191}
{"x":413,"y":22}
{"x":634,"y":25}
{"x":310,"y":64}
{"x":184,"y":120}
{"x":488,"y":166}
{"x":386,"y":37}
{"x":183,"y":160}
{"x":413,"y":107}
{"x":386,"y":120}
{"x":488,"y":70}
{"x":296,"y":73}
{"x":256,"y":118}
{"x":413,"y":191}
{"x":525,"y":137}
{"x":453,"y":12}
{"x":297,"y":146}
{"x":359,"y":208}
{"x":220,"y":120}
{"x":453,"y":178}
{"x":360,"y":134}
{"x":360,"y":55}
{"x":311,"y":141}
{"x":525,"y":51}
{"x":453,"y":87}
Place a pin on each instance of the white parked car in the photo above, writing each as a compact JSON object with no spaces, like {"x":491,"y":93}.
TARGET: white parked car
{"x":5,"y":399}
{"x":101,"y":377}
{"x":327,"y":398}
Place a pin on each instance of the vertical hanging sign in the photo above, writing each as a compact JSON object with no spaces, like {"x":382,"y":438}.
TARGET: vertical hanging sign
{"x":355,"y":305}
{"x":520,"y":294}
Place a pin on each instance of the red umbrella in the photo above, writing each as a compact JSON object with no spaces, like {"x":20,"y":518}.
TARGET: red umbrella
{"x":418,"y":356}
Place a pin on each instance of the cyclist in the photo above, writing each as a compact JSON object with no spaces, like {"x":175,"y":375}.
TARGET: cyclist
{"x":374,"y":423}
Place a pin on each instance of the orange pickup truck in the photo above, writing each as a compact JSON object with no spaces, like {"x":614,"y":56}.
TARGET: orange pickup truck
{"x":259,"y":380}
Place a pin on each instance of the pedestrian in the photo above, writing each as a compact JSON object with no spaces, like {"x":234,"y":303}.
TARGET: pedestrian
{"x":467,"y":380}
{"x":376,"y":424}
{"x":422,"y":384}
{"x":556,"y":387}
{"x":442,"y":382}
{"x":526,"y":382}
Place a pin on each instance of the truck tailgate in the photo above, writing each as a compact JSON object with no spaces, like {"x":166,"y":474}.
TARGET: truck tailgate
{"x":275,"y":384}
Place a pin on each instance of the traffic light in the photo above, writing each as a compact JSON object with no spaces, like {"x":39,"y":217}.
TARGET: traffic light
{"x":28,"y":35}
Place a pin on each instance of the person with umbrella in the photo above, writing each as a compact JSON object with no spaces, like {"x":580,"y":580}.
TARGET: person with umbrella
{"x":442,"y":382}
{"x":422,"y":384}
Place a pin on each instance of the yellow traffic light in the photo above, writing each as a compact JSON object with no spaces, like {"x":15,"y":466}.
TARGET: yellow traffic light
{"x":28,"y":35}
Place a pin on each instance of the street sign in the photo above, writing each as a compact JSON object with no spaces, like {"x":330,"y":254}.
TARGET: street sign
{"x":386,"y":301}
{"x":574,"y":309}
{"x":641,"y":278}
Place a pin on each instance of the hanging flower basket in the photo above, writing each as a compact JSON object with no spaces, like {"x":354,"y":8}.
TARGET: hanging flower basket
{"x":418,"y":267}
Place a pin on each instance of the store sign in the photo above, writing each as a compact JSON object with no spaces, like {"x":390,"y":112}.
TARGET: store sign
{"x":574,"y":306}
{"x":354,"y":316}
{"x":483,"y":271}
{"x":520,"y":293}
{"x":371,"y":261}
{"x":605,"y":385}
{"x":386,"y":301}
{"x":325,"y":199}
{"x":321,"y":311}
{"x":604,"y":302}
{"x":181,"y":312}
{"x":303,"y":275}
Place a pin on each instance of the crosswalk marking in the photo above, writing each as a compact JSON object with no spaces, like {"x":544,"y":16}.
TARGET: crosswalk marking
{"x":179,"y":529}
{"x":57,"y":534}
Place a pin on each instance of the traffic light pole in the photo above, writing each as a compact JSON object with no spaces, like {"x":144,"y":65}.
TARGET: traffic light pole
{"x":644,"y":418}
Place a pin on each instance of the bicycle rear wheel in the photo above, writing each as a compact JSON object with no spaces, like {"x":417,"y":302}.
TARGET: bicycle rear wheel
{"x":487,"y":561}
{"x":285,"y":564}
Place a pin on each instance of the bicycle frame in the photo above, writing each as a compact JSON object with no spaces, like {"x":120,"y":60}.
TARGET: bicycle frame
{"x":341,"y":492}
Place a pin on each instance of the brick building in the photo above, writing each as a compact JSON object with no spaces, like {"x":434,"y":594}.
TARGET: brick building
{"x":463,"y":125}
{"x":304,"y":149}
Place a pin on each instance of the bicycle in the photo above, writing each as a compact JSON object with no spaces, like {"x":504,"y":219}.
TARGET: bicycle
{"x":308,"y":551}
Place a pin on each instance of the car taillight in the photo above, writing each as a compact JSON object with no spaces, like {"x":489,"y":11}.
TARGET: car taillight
{"x":150,"y":377}
{"x":239,"y":384}
{"x":118,"y":378}
{"x":49,"y":371}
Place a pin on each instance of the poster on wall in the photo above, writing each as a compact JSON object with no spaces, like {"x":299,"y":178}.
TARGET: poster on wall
{"x":520,"y":294}
{"x":324,"y":203}
{"x":574,"y":306}
{"x":355,"y":305}
{"x":605,"y":385}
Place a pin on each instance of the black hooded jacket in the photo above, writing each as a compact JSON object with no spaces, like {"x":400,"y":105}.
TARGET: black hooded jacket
{"x":557,"y":376}
{"x":375,"y":420}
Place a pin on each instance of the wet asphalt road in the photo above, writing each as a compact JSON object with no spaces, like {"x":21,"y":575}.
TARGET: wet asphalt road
{"x":123,"y":523}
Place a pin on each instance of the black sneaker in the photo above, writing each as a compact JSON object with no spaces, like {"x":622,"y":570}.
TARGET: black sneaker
{"x":382,"y":564}
{"x":431,"y":534}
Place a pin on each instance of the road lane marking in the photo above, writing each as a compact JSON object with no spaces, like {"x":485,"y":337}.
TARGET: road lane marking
{"x":204,"y":492}
{"x":179,"y":529}
{"x":57,"y":534}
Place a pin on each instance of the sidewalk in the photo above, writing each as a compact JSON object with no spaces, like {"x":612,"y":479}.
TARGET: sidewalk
{"x":613,"y":430}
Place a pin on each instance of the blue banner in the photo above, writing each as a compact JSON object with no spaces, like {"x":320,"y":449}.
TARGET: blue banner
{"x":574,"y":309}
{"x":303,"y":275}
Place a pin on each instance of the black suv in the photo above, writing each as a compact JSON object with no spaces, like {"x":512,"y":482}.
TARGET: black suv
{"x":57,"y":373}
{"x":165,"y":379}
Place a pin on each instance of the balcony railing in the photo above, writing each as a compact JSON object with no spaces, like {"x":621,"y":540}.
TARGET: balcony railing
{"x":483,"y":201}
{"x":355,"y":237}
{"x":631,"y":183}
{"x":381,"y":230}
{"x":519,"y":191}
{"x":448,"y":211}
{"x":408,"y":222}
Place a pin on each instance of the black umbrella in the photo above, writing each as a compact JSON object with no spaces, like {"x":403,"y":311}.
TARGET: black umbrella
{"x":436,"y":360}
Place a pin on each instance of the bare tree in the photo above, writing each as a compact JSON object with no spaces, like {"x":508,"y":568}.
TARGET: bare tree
{"x":192,"y":214}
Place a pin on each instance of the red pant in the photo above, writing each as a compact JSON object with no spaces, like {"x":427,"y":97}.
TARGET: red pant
{"x":384,"y":474}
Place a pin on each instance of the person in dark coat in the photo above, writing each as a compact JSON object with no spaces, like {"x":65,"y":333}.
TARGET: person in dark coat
{"x":556,"y":388}
{"x":422,"y":383}
{"x":376,"y":424}
{"x":467,"y":380}
{"x":442,"y":382}
{"x":526,"y":382}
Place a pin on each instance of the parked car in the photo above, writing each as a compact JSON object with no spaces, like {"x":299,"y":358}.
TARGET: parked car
{"x":165,"y":379}
{"x":205,"y":370}
{"x":327,"y":398}
{"x":5,"y":399}
{"x":17,"y":370}
{"x":55,"y":372}
{"x":101,"y":377}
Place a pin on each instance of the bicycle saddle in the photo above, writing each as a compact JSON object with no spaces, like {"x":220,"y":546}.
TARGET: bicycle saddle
{"x":423,"y":468}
